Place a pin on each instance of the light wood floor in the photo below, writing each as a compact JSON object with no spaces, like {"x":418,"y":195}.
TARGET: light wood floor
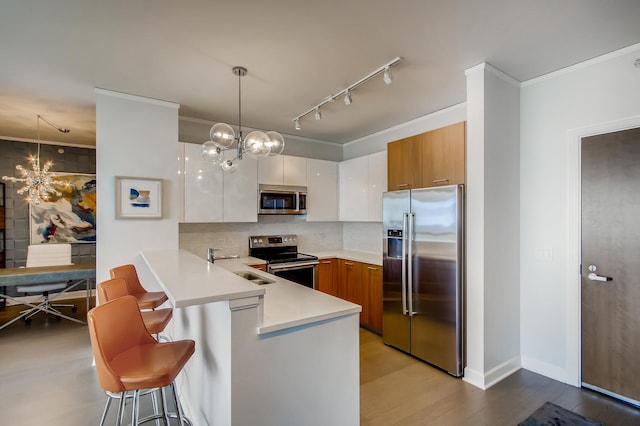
{"x":46,"y":378}
{"x":397,"y":389}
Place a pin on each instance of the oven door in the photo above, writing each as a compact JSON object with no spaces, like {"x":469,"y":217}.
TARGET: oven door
{"x":304,"y":273}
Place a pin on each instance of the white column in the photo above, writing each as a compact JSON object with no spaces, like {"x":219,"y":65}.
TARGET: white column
{"x":493,"y":218}
{"x":136,"y":137}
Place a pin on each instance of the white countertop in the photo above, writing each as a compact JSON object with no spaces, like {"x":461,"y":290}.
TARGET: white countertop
{"x":191,"y":280}
{"x":287,"y":304}
{"x":357,"y":256}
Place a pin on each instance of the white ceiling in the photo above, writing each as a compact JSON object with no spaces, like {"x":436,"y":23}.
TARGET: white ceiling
{"x":54,"y":53}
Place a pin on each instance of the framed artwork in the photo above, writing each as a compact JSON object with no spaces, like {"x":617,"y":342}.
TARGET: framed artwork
{"x":138,"y":198}
{"x":67,"y":218}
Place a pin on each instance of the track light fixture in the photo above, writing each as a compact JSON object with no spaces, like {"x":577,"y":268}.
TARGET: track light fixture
{"x":347,"y":98}
{"x":256,"y":144}
{"x":387,"y":78}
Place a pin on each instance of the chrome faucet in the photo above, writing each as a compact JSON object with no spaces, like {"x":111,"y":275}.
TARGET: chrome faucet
{"x":210,"y":257}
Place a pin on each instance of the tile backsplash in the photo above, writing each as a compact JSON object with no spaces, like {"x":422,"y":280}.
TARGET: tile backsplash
{"x":313,"y":237}
{"x":233,"y":238}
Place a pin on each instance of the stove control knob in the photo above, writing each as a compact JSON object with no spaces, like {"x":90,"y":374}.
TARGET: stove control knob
{"x":260,"y":240}
{"x":255,"y":240}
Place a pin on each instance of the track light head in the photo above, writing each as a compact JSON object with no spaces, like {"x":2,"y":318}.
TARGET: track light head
{"x":297,"y":124}
{"x":318,"y":114}
{"x":347,"y":98}
{"x":388,"y":77}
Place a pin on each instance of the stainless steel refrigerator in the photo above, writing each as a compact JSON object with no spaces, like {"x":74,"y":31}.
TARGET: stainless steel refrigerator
{"x":423,"y":274}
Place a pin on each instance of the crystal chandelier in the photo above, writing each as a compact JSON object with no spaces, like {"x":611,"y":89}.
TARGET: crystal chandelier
{"x":38,"y":183}
{"x":256,"y":144}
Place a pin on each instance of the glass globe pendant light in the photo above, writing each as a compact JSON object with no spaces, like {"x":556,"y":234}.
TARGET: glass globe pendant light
{"x":256,"y":144}
{"x":276,"y":143}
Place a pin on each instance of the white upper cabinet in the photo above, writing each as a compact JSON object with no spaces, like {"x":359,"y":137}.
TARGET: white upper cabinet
{"x":354,"y":182}
{"x":283,"y":170}
{"x":362,"y":182}
{"x":322,"y":190}
{"x":377,"y":184}
{"x":212,"y":196}
{"x":294,"y":170}
{"x":202,"y":187}
{"x":241,"y":190}
{"x":270,"y":170}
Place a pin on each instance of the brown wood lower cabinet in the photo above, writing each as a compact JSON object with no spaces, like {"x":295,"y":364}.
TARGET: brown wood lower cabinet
{"x":357,"y":282}
{"x":328,"y":276}
{"x":372,"y":296}
{"x":350,"y":281}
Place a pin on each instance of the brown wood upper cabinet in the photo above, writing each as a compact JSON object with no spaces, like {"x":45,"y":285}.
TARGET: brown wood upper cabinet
{"x":429,"y":159}
{"x":403,"y":169}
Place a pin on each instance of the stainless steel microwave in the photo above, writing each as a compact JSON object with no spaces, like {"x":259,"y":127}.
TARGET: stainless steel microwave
{"x":281,"y":199}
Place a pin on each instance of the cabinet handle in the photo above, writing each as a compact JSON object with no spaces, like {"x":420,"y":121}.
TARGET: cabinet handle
{"x":348,"y":264}
{"x":326,"y":262}
{"x":402,"y":185}
{"x":440,"y":180}
{"x":371,"y":268}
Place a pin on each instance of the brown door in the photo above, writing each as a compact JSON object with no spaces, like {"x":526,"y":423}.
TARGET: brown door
{"x":611,"y":263}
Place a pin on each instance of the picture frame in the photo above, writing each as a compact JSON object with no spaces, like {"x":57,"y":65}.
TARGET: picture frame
{"x":138,"y":198}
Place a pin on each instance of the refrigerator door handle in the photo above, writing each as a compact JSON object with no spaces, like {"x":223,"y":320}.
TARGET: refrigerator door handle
{"x":405,"y":220}
{"x":409,"y":239}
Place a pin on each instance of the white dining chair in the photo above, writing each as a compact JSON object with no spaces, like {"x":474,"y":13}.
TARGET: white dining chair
{"x":46,"y":255}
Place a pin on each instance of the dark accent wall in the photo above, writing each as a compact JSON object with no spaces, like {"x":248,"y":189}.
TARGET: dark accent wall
{"x":70,"y":160}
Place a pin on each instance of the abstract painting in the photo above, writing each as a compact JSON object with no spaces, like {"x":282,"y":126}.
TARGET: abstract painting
{"x":70,"y":217}
{"x":138,"y":198}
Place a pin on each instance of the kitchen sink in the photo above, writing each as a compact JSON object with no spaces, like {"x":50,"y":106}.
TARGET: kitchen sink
{"x":256,"y":279}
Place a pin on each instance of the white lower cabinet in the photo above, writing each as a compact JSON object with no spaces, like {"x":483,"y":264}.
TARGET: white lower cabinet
{"x":322,"y":191}
{"x":212,"y":196}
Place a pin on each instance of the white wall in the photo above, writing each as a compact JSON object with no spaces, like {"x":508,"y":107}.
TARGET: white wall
{"x":493,"y":314}
{"x":378,"y":141}
{"x":136,"y":137}
{"x":197,"y":131}
{"x":602,"y":90}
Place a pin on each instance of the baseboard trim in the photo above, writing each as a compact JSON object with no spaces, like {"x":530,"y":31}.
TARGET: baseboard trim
{"x":548,"y":370}
{"x":485,"y":380}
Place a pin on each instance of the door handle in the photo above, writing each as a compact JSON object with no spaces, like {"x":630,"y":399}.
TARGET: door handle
{"x":595,"y":277}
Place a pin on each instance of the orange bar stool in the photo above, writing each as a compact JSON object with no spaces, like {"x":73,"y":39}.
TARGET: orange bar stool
{"x":128,"y":358}
{"x":146,"y":299}
{"x":155,"y":321}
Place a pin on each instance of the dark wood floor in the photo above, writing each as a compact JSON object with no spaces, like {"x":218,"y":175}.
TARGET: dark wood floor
{"x":46,"y":378}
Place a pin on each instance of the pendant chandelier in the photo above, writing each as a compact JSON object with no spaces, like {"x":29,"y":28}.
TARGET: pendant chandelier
{"x":38,"y":183}
{"x":256,"y":144}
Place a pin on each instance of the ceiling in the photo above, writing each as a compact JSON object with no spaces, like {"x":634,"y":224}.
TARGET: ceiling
{"x":54,"y":53}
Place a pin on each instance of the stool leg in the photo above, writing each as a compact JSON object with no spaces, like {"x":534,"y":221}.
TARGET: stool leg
{"x":178,"y":406}
{"x":121,"y":408}
{"x":135,"y":412}
{"x":165,"y":411}
{"x":106,"y":408}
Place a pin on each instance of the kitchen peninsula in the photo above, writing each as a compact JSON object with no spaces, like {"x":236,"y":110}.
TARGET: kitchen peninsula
{"x":270,"y":354}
